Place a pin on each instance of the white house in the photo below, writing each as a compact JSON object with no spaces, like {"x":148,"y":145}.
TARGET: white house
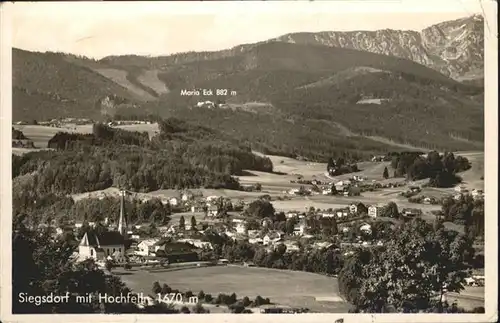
{"x":477,"y":194}
{"x":196,"y":208}
{"x":366,"y":228}
{"x":174,"y":201}
{"x":271,"y":238}
{"x":353,"y":208}
{"x":291,"y":215}
{"x":374,"y":211}
{"x":186,"y":196}
{"x":100,"y":247}
{"x":240,"y":228}
{"x":328,"y":215}
{"x":299,"y":229}
{"x":212,"y":198}
{"x":146,"y":247}
{"x":460,"y":189}
{"x":255,"y":240}
{"x":326,"y":191}
{"x":213,"y":210}
{"x":342,"y":213}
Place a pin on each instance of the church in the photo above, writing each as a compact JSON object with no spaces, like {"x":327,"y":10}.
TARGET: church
{"x":106,"y":245}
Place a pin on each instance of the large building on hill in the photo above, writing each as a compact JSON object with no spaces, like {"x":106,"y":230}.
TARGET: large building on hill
{"x":108,"y":244}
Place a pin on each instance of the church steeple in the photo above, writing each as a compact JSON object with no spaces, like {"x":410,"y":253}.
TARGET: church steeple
{"x":122,"y":222}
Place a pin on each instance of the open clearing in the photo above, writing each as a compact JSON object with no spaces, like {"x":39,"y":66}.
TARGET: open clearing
{"x":284,"y":287}
{"x":120,"y":78}
{"x":150,"y":79}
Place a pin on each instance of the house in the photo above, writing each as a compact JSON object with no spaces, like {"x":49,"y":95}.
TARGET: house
{"x":176,"y":251}
{"x":213,"y":210}
{"x":146,"y":247}
{"x":102,"y":246}
{"x":340,"y":188}
{"x":367,"y":228}
{"x":326,"y":191}
{"x":173,"y":201}
{"x":414,"y":189}
{"x":411,"y":212}
{"x":212,"y":198}
{"x":291,"y":215}
{"x":328,"y":215}
{"x":291,"y":247}
{"x":357,"y":208}
{"x":187,"y":196}
{"x":477,"y":194}
{"x":78,"y":225}
{"x":460,"y":189}
{"x":427,"y":200}
{"x":322,"y":245}
{"x":374,"y":211}
{"x":299,"y":229}
{"x":457,"y":197}
{"x":196,"y":208}
{"x":256,"y":240}
{"x":341,"y":213}
{"x":271,"y":238}
{"x":240,"y":228}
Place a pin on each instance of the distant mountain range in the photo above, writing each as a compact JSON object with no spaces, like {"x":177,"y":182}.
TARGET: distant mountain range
{"x":298,"y":94}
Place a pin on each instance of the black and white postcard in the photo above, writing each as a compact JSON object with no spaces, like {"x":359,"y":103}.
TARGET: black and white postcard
{"x":324,"y":161}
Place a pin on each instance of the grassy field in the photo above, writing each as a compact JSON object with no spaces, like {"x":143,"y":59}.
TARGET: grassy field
{"x":283,"y":287}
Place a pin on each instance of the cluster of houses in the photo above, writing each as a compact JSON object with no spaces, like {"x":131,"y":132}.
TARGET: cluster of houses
{"x":462,"y":190}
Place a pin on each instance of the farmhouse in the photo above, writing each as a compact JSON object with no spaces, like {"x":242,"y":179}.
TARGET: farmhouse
{"x":176,"y":251}
{"x":374,"y":211}
{"x":460,"y":189}
{"x":146,"y":247}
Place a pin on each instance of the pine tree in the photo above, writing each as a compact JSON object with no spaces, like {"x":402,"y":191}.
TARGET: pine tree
{"x":386,"y":173}
{"x":193,"y":223}
{"x":182,"y":223}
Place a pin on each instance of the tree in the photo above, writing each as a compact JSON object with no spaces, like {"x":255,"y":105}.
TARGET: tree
{"x":246,"y":301}
{"x":185,"y":310}
{"x":386,"y":173}
{"x":156,"y":288}
{"x":260,"y":209}
{"x":165,"y":289}
{"x":412,"y":268}
{"x":201,"y":295}
{"x":109,"y":265}
{"x":182,"y":223}
{"x":193,"y":223}
{"x":390,"y":210}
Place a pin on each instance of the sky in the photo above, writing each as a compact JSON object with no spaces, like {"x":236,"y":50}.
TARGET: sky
{"x":98,"y":29}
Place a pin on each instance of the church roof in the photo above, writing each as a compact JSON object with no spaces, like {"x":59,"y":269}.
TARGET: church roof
{"x":103,"y":239}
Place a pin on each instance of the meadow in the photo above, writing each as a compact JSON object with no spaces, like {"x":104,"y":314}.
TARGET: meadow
{"x":299,"y":289}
